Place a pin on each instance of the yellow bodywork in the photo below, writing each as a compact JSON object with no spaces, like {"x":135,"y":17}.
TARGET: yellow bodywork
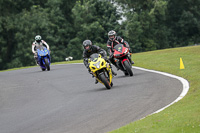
{"x":97,"y":64}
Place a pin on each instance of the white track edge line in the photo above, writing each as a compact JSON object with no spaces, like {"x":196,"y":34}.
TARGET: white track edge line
{"x":182,"y":80}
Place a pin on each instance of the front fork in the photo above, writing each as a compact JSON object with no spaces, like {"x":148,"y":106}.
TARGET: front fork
{"x":107,"y":73}
{"x":129,"y":57}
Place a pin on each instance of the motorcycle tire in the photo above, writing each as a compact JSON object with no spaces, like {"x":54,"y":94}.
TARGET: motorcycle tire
{"x":43,"y":69}
{"x":105,"y":81}
{"x":128,"y":68}
{"x":47,"y":64}
{"x":126,"y":73}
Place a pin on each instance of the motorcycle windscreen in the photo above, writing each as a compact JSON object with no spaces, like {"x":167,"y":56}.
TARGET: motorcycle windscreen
{"x":119,"y":47}
{"x":42,"y":51}
{"x":94,"y":57}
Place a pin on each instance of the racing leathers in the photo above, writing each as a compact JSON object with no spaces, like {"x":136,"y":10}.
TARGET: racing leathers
{"x":92,"y":50}
{"x":95,"y":49}
{"x":112,"y":44}
{"x":35,"y":44}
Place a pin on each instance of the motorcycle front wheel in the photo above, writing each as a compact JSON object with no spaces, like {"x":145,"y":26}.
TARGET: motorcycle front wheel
{"x":105,"y":81}
{"x":128,"y":68}
{"x":47,"y":64}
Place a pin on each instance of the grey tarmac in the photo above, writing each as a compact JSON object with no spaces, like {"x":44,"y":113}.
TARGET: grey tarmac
{"x":67,"y":100}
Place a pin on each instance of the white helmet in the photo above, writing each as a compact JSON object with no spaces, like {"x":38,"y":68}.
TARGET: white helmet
{"x":38,"y":38}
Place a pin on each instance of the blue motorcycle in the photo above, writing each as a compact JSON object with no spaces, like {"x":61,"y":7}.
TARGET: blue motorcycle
{"x":44,"y":59}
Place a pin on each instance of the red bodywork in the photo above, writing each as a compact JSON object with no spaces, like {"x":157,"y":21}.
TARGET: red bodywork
{"x":120,"y":52}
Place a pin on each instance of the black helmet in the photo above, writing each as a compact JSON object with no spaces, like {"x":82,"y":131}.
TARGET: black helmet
{"x":38,"y":38}
{"x":87,"y":44}
{"x":112,"y":35}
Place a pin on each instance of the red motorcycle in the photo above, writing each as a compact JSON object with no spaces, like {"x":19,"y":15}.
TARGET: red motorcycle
{"x":122,"y":59}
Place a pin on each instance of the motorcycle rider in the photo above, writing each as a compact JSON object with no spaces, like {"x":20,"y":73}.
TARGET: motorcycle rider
{"x":90,"y":49}
{"x":38,"y":41}
{"x":113,"y":40}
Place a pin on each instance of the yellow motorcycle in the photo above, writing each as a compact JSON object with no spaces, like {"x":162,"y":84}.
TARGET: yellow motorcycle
{"x":101,"y":70}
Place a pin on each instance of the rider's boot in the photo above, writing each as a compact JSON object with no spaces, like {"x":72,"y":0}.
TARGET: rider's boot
{"x":116,"y":66}
{"x":114,"y":63}
{"x":36,"y":61}
{"x":96,"y":81}
{"x":113,"y":72}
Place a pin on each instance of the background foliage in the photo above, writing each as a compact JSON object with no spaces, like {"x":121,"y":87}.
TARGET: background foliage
{"x":64,"y":25}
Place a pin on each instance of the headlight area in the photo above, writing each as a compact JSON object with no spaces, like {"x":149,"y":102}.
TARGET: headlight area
{"x":126,"y":51}
{"x":97,"y":64}
{"x":117,"y":55}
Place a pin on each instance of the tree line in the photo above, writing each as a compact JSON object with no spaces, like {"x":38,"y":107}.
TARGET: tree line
{"x":64,"y":25}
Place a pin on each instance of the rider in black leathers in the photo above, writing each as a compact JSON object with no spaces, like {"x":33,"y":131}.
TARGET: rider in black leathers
{"x":90,"y":49}
{"x":114,"y":40}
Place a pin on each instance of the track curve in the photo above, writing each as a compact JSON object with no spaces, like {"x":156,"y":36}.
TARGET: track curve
{"x":66,"y":99}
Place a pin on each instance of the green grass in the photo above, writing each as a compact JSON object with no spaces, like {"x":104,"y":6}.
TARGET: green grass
{"x":183,"y":116}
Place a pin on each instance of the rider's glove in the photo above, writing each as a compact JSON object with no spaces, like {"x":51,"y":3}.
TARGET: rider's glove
{"x":105,"y":58}
{"x":101,"y":52}
{"x":111,"y":55}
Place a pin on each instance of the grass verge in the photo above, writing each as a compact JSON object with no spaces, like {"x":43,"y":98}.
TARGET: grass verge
{"x":183,"y":116}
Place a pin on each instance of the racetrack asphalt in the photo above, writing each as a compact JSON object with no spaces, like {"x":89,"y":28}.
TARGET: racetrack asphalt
{"x":67,"y":100}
